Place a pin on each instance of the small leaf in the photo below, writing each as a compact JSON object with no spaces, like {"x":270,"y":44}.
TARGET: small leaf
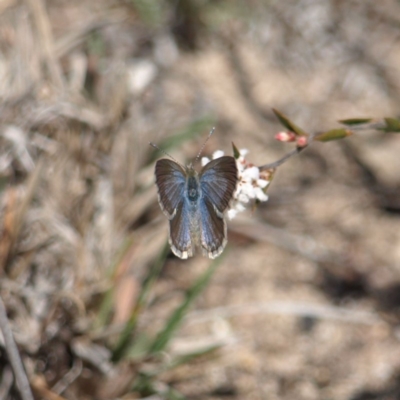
{"x":140,"y":347}
{"x":187,"y":358}
{"x":355,"y":121}
{"x":285,"y":121}
{"x":333,"y":134}
{"x":392,"y":125}
{"x":150,"y":11}
{"x":3,"y":183}
{"x":236,"y":152}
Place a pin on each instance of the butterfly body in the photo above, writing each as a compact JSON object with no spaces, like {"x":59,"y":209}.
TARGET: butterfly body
{"x":195,"y":203}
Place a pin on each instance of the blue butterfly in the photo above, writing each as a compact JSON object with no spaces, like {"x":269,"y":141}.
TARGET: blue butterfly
{"x":195,"y":204}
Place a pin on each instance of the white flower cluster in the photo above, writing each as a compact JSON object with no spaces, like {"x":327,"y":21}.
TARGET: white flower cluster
{"x":251,"y":185}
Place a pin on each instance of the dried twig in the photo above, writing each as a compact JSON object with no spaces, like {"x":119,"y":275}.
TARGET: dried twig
{"x":69,"y":377}
{"x":13,"y":355}
{"x":286,"y":308}
{"x":6,"y":382}
{"x":286,"y":157}
{"x":300,"y":244}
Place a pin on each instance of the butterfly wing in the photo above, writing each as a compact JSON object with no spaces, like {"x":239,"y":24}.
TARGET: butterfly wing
{"x":179,"y":232}
{"x":171,"y":181}
{"x":218,"y":181}
{"x":213,"y":229}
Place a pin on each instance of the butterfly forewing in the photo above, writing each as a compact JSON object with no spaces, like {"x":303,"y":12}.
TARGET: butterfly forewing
{"x":218,"y":181}
{"x":170,"y":180}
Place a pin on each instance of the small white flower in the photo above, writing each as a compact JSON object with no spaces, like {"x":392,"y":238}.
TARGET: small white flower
{"x":218,"y":154}
{"x":204,"y":161}
{"x":232,"y":213}
{"x":247,"y":189}
{"x":252,"y":173}
{"x":243,"y":198}
{"x":262,"y":183}
{"x":260,"y":195}
{"x":251,"y":183}
{"x":240,"y":207}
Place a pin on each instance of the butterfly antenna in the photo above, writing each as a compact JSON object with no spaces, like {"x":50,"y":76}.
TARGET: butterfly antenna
{"x":202,"y":147}
{"x":162,"y":151}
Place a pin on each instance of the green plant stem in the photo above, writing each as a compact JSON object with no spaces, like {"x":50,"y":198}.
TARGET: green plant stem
{"x":126,"y":335}
{"x":163,"y":338}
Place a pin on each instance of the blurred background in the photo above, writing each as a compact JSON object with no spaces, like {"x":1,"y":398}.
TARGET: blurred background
{"x":304,"y":302}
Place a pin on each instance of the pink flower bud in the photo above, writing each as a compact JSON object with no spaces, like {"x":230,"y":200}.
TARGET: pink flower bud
{"x":302,"y":141}
{"x":285,"y":136}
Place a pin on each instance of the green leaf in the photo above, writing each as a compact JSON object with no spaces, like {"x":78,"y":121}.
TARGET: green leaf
{"x":392,"y":125}
{"x":236,"y":152}
{"x":3,"y":183}
{"x":186,"y":358}
{"x":139,"y":347}
{"x":106,"y":305}
{"x":173,"y":394}
{"x":126,"y":338}
{"x":355,"y":121}
{"x":182,"y":359}
{"x":150,"y":11}
{"x":287,"y":123}
{"x":333,"y":134}
{"x":174,"y":321}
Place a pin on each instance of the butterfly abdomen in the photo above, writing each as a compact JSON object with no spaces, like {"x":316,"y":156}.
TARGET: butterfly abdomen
{"x":193,"y":195}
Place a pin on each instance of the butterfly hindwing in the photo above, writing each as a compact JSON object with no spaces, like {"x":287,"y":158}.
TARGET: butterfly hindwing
{"x":179,"y":232}
{"x":213,"y":229}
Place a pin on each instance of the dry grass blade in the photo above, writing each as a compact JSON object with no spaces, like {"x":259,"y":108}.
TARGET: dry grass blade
{"x":287,"y":308}
{"x":32,"y":184}
{"x":78,"y":34}
{"x":304,"y":245}
{"x":46,"y":41}
{"x":13,"y":355}
{"x":7,"y":234}
{"x":69,"y":377}
{"x":40,"y":387}
{"x":6,"y":383}
{"x":15,"y":214}
{"x":52,"y":112}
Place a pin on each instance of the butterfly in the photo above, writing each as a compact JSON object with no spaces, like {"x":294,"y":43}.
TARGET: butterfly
{"x":195,"y":204}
